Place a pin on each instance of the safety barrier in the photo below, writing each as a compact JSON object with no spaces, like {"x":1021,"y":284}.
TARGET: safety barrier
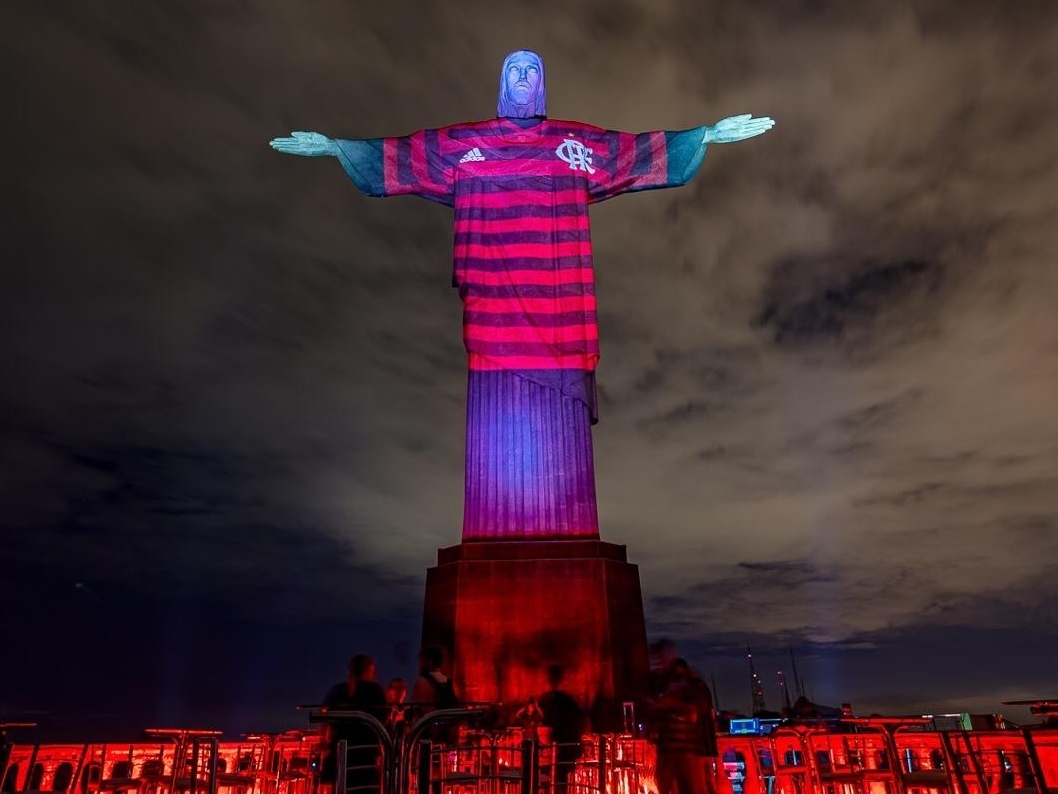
{"x":452,"y":752}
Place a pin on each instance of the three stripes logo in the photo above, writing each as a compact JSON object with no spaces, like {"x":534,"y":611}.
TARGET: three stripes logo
{"x":473,"y":156}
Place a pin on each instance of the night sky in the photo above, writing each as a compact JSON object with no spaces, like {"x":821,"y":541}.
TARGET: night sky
{"x":233,"y":387}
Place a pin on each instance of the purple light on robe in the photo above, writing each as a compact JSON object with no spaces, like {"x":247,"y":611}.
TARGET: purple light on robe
{"x":529,"y":467}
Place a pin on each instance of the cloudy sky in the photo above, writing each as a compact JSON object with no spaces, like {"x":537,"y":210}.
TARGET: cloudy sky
{"x":233,"y":387}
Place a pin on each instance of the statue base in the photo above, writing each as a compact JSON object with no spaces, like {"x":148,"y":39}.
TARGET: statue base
{"x":504,"y":611}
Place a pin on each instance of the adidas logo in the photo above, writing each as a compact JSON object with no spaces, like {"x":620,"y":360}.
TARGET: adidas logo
{"x":473,"y":156}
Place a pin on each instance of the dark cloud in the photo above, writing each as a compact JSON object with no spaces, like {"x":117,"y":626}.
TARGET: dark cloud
{"x":850,"y":312}
{"x":789,"y":573}
{"x":910,"y":495}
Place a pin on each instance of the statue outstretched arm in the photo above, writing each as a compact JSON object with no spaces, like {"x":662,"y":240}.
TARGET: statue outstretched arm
{"x":737,"y":128}
{"x":687,"y":147}
{"x":360,"y":159}
{"x":307,"y":144}
{"x":666,"y":158}
{"x":415,"y":165}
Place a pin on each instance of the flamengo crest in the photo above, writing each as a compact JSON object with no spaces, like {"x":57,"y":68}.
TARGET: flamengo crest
{"x":576,"y":154}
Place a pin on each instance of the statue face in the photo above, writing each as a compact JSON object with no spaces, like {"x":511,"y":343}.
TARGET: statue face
{"x":523,"y":78}
{"x":522,"y":91}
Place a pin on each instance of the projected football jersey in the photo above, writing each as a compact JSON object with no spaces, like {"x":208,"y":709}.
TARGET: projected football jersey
{"x":522,"y":256}
{"x":523,"y":267}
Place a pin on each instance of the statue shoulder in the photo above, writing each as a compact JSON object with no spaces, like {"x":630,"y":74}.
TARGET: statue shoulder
{"x":468,"y":127}
{"x":577,"y":129}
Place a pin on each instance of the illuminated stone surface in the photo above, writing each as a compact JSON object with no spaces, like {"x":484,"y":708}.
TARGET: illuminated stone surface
{"x":504,"y":611}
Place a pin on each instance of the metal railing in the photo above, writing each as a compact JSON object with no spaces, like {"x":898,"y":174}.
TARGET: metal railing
{"x":450,"y":751}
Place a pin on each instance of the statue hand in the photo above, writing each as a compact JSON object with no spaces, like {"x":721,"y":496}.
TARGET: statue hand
{"x":737,"y":128}
{"x":307,"y":144}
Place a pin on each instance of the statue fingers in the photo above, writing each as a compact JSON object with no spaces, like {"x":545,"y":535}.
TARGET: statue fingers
{"x":729,"y":122}
{"x":735,"y":121}
{"x":753,"y":133}
{"x":749,"y":123}
{"x":740,"y":134}
{"x":756,"y":127}
{"x":289,"y":146}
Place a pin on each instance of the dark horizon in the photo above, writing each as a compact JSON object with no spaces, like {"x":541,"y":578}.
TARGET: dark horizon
{"x":82,"y":694}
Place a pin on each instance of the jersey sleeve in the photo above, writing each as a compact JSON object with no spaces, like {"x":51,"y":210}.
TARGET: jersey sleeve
{"x":647,"y":161}
{"x":408,"y":165}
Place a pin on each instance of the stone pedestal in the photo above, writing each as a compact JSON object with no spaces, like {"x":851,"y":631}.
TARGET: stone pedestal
{"x":504,"y":611}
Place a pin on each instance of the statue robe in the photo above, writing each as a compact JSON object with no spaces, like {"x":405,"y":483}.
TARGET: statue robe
{"x":523,"y":267}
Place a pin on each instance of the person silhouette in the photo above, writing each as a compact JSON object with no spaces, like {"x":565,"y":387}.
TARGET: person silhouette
{"x":358,"y":692}
{"x":396,"y":694}
{"x":683,"y":726}
{"x":528,"y":718}
{"x":565,"y":719}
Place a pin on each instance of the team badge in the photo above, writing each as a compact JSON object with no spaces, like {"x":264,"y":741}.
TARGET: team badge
{"x":576,"y":154}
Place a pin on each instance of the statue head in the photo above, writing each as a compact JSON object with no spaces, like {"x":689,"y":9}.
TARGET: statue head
{"x":522,"y":92}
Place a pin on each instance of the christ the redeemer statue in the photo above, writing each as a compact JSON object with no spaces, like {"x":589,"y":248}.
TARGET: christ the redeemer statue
{"x":521,"y":184}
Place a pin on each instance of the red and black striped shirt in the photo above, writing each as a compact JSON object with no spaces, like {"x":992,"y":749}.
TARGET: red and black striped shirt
{"x":522,"y":254}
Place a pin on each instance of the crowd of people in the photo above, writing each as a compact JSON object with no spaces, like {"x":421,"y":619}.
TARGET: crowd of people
{"x":361,"y":692}
{"x":677,"y":713}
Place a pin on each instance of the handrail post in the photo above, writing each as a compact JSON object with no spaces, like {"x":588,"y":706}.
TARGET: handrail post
{"x":384,"y":740}
{"x":893,"y":758}
{"x":1034,"y":760}
{"x":601,"y":764}
{"x":404,"y":747}
{"x":425,"y":765}
{"x":193,"y":772}
{"x":530,"y":767}
{"x":341,"y":761}
{"x":953,"y":762}
{"x":211,"y":778}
